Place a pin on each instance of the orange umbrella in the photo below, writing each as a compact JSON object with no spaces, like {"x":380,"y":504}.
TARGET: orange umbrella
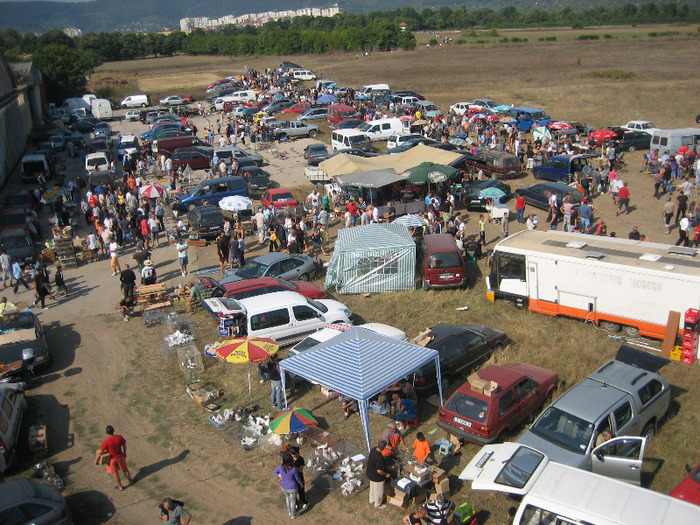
{"x":247,"y":350}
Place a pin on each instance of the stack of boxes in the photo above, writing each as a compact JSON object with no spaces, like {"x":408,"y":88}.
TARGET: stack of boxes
{"x":691,"y":327}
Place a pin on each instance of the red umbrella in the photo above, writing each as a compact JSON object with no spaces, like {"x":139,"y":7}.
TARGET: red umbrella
{"x":560,"y":125}
{"x":151,"y":191}
{"x":601,"y":135}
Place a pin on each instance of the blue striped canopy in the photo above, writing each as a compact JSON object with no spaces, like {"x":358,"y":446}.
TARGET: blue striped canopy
{"x":360,"y":363}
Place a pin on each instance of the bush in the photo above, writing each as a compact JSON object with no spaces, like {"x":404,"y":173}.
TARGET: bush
{"x":460,"y":41}
{"x":504,"y":40}
{"x":433,"y":42}
{"x":607,"y":35}
{"x":104,"y":92}
{"x":516,"y":39}
{"x":493,"y":32}
{"x":615,"y":74}
{"x":577,"y":25}
{"x":653,"y":34}
{"x":588,"y":37}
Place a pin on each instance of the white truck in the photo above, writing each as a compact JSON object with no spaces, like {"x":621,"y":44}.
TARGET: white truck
{"x":611,"y":282}
{"x":102,"y":109}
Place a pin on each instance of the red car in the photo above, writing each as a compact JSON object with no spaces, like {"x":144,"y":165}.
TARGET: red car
{"x":14,"y":218}
{"x":259,"y":286}
{"x":297,"y":108}
{"x":689,"y":489}
{"x":279,"y":198}
{"x":491,"y":406}
{"x":186,"y":98}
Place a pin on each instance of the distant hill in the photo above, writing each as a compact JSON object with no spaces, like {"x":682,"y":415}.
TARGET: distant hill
{"x":157,"y":15}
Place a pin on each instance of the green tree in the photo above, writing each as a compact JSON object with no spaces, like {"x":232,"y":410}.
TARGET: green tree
{"x":61,"y":68}
{"x":9,"y":38}
{"x":28,"y":43}
{"x":55,"y":37}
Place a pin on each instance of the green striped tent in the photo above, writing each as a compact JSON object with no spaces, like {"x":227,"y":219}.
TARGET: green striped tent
{"x":373,"y":258}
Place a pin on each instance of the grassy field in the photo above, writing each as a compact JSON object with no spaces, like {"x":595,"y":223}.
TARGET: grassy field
{"x":551,"y":74}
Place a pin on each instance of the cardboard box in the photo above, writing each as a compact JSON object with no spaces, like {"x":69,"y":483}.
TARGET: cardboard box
{"x":399,"y":500}
{"x":438,"y":475}
{"x":443,"y":487}
{"x":419,"y":498}
{"x":491,"y":388}
{"x":674,"y":320}
{"x":477,"y":383}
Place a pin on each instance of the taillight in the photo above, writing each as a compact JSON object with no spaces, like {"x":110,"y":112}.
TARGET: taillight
{"x":202,"y":229}
{"x":441,"y":412}
{"x":420,"y":381}
{"x":484,"y":429}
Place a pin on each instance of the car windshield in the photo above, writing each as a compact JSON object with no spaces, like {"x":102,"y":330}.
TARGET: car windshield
{"x":468,"y":406}
{"x":444,"y":260}
{"x":319,"y":306}
{"x":540,"y":115}
{"x":129,"y":143}
{"x":287,"y":284}
{"x":306,"y":344}
{"x":563,"y":429}
{"x":519,"y":468}
{"x":15,"y":241}
{"x":252,"y":269}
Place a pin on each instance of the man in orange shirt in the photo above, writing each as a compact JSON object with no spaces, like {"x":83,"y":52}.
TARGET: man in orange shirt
{"x":116,"y":446}
{"x":422,"y":447}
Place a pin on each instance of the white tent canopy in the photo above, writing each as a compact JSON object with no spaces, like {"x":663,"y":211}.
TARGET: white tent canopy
{"x":360,"y":363}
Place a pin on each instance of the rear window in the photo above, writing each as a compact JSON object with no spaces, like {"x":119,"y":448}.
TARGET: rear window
{"x":444,"y":260}
{"x":358,"y":139}
{"x":282,"y":197}
{"x":468,"y":406}
{"x":212,"y":219}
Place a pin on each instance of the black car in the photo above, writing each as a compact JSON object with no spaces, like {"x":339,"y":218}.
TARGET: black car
{"x":461,"y":348}
{"x":19,"y":244}
{"x":85,"y":125}
{"x":316,"y":153}
{"x":632,"y":140}
{"x":26,"y":332}
{"x":356,"y":152}
{"x":205,"y":221}
{"x":535,"y":195}
{"x":257,"y":179}
{"x":472,"y":201}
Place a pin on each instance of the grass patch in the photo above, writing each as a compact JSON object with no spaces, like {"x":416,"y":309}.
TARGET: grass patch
{"x":615,"y":74}
{"x":588,"y":37}
{"x":547,"y":39}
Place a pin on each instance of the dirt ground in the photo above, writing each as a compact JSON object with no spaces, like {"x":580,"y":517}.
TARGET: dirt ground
{"x":110,"y":372}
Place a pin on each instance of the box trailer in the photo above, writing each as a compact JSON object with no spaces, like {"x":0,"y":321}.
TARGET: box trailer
{"x":101,"y":109}
{"x":611,"y":282}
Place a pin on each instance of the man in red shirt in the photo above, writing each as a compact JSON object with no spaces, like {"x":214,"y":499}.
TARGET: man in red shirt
{"x":520,"y":208}
{"x":352,"y":208}
{"x":116,"y":446}
{"x":623,"y":199}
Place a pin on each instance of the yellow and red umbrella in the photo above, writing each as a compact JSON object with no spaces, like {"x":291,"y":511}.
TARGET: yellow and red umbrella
{"x":246,"y":350}
{"x":293,"y":420}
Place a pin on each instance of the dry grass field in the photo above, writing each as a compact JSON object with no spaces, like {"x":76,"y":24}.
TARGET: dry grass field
{"x":548,"y":74}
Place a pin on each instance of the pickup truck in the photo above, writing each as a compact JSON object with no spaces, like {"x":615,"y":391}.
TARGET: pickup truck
{"x":294,"y":128}
{"x":495,"y":164}
{"x":624,"y":397}
{"x":562,"y":168}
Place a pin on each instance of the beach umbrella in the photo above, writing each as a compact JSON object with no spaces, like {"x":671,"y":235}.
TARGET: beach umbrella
{"x":412,"y":221}
{"x":601,"y":135}
{"x":420,"y":122}
{"x":246,"y":350}
{"x":151,"y":190}
{"x":541,"y":133}
{"x":508,"y":120}
{"x":491,"y":193}
{"x":294,"y":420}
{"x":458,"y":141}
{"x":560,"y":125}
{"x":51,"y":194}
{"x":407,"y":118}
{"x":427,"y":172}
{"x":327,"y":99}
{"x":235,"y":203}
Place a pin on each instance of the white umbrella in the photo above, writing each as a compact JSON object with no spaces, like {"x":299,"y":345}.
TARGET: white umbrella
{"x":541,"y":133}
{"x":410,"y":220}
{"x":235,"y":203}
{"x":151,"y":191}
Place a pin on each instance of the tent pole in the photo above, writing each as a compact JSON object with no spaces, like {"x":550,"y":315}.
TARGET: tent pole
{"x":284,"y":387}
{"x":364,"y":416}
{"x":439,"y":378}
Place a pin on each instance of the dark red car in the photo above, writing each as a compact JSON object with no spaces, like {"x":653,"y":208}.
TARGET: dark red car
{"x":689,"y":489}
{"x":262,"y":285}
{"x":492,"y":406}
{"x":14,"y":218}
{"x":186,"y":98}
{"x":279,"y":198}
{"x":297,"y":108}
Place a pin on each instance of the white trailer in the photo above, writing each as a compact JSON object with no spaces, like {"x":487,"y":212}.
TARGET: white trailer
{"x":102,"y":109}
{"x":608,"y":281}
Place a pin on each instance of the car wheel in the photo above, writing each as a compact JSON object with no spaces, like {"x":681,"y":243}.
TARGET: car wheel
{"x":504,"y":435}
{"x":498,"y":347}
{"x":282,"y":137}
{"x":313,"y":133}
{"x":631,"y":148}
{"x":304,"y":277}
{"x":611,"y":327}
{"x":649,"y":432}
{"x":536,"y":174}
{"x":632,"y":331}
{"x":426,"y":285}
{"x":123,"y":106}
{"x":143,"y":105}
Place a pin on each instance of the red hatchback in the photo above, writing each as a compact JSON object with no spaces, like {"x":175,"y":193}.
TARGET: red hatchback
{"x":491,"y":406}
{"x":279,"y":198}
{"x":262,"y":285}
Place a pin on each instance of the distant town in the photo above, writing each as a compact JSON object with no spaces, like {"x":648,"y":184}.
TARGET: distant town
{"x":255,"y":19}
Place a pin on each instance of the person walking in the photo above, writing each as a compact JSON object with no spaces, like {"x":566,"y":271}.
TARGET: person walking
{"x":115,"y":445}
{"x":114,"y":256}
{"x":377,"y":473}
{"x":128,"y":280}
{"x":302,"y":501}
{"x":41,"y":286}
{"x":289,"y":482}
{"x":273,"y":370}
{"x":18,"y":275}
{"x":5,"y":268}
{"x":520,"y":208}
{"x":667,"y":214}
{"x":173,"y":512}
{"x":504,"y":225}
{"x":60,"y":281}
{"x":181,"y":247}
{"x":683,"y":232}
{"x":482,"y":230}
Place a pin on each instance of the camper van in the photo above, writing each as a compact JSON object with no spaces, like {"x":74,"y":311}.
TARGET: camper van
{"x":671,"y":140}
{"x":350,"y":139}
{"x":383,"y":128}
{"x":558,"y":494}
{"x":247,"y":96}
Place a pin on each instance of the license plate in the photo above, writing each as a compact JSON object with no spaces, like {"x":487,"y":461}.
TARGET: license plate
{"x":446,"y":276}
{"x":462,"y":422}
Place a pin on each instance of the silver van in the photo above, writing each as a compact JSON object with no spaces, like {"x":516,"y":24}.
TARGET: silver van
{"x":12,"y":407}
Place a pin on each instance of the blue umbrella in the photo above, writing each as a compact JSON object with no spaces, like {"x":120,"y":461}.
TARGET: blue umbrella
{"x":327,"y":99}
{"x":492,"y":193}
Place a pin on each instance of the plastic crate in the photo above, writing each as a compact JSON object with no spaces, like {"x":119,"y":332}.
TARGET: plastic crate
{"x":173,"y":322}
{"x":190,"y":359}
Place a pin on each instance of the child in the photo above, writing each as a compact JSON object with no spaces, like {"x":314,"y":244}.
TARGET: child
{"x":60,"y":283}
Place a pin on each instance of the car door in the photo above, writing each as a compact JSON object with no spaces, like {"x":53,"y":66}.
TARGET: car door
{"x":476,"y":350}
{"x":306,"y":320}
{"x":275,"y":270}
{"x":452,"y":356}
{"x":291,"y":269}
{"x":527,"y":398}
{"x":620,"y":458}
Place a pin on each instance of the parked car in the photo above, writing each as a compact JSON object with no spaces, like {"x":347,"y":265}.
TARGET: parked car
{"x":398,"y":139}
{"x":535,"y":195}
{"x":197,"y":160}
{"x":128,"y":144}
{"x":483,"y":417}
{"x":26,"y":501}
{"x":23,"y":331}
{"x":205,"y":221}
{"x":460,"y":108}
{"x":18,"y":200}
{"x":58,"y":142}
{"x":239,"y":154}
{"x":625,"y":397}
{"x":12,"y":407}
{"x":99,"y":145}
{"x":461,"y":348}
{"x":328,"y":332}
{"x":472,"y":201}
{"x":356,"y":152}
{"x":410,"y":143}
{"x":84,"y":125}
{"x":187,"y":98}
{"x":564,"y":168}
{"x":689,"y":489}
{"x":349,"y":123}
{"x":257,"y":179}
{"x":96,"y":162}
{"x":211,"y":191}
{"x":133,"y":115}
{"x":297,"y":108}
{"x":313,"y":114}
{"x":280,"y":198}
{"x":645,"y":126}
{"x":287,"y":266}
{"x":632,"y":140}
{"x":14,"y":219}
{"x":18,"y":243}
{"x":294,"y":128}
{"x":316,"y":153}
{"x":277,"y":105}
{"x":173,"y":100}
{"x":260,"y":286}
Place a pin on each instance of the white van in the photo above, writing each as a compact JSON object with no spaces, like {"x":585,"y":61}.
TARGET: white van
{"x":383,"y":128}
{"x":285,"y":317}
{"x":303,"y":74}
{"x":365,"y":92}
{"x":219,"y":102}
{"x":96,"y":162}
{"x":135,"y":101}
{"x":558,"y":494}
{"x":32,"y":165}
{"x":350,"y":139}
{"x":671,"y":140}
{"x":247,"y":96}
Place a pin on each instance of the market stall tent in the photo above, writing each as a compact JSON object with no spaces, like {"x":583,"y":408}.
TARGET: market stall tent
{"x":360,"y":363}
{"x":373,"y":258}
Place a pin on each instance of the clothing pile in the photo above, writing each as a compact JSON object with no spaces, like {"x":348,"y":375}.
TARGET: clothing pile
{"x":178,"y":338}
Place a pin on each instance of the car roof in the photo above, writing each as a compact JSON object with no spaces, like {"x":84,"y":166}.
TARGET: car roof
{"x":272,"y":300}
{"x":589,"y":400}
{"x":275,"y":191}
{"x":249,"y":284}
{"x":271,"y":258}
{"x":444,"y":330}
{"x":127,"y":137}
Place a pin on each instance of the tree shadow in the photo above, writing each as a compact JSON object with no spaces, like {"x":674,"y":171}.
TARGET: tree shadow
{"x":159,"y":465}
{"x":91,"y":507}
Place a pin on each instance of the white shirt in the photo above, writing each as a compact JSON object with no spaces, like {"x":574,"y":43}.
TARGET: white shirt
{"x":113,"y":249}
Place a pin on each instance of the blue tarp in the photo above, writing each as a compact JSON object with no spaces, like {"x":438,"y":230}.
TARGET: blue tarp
{"x":360,"y":363}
